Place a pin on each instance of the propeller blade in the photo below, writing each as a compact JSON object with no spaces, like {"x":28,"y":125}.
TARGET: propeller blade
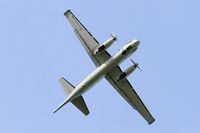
{"x":133,"y":62}
{"x":139,"y":68}
{"x":114,"y":36}
{"x":136,"y":65}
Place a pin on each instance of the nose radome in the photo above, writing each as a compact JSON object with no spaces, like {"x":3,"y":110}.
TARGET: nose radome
{"x":136,"y":42}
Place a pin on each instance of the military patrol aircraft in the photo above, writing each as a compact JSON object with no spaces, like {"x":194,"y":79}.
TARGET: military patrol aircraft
{"x":107,"y":66}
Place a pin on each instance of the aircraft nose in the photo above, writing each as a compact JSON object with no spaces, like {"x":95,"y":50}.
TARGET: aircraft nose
{"x":136,"y":43}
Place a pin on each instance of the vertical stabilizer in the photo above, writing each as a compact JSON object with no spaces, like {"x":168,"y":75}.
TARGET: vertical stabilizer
{"x":67,"y":87}
{"x":78,"y":102}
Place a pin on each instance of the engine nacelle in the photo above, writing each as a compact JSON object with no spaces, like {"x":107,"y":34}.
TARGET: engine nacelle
{"x":127,"y":72}
{"x":106,"y":44}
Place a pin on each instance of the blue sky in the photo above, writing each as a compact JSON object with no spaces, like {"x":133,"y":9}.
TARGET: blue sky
{"x":38,"y":46}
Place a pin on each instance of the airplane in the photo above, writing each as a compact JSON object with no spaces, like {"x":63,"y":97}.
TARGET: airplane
{"x":107,"y":66}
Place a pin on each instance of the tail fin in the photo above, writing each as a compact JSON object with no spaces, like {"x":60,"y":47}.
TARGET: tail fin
{"x":67,"y":87}
{"x":78,"y":102}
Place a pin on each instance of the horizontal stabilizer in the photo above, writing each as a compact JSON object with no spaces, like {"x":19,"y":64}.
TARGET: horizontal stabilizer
{"x":78,"y":102}
{"x":67,"y":87}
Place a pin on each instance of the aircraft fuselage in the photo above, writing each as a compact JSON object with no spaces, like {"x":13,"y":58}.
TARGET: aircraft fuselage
{"x":103,"y":69}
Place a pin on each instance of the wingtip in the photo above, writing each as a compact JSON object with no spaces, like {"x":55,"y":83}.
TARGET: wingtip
{"x":68,"y":11}
{"x":61,"y":78}
{"x":86,"y":113}
{"x":151,"y":121}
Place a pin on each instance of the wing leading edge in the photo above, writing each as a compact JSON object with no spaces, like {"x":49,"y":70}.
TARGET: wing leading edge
{"x":125,"y":89}
{"x":87,"y":40}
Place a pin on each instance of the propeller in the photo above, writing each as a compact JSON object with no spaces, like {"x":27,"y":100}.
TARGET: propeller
{"x":114,"y":36}
{"x":136,"y":65}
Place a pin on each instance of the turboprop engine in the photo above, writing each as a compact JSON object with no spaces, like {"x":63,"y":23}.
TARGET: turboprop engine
{"x":128,"y":71}
{"x":106,"y":44}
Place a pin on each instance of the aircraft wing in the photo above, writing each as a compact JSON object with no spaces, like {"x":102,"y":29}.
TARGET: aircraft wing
{"x":125,"y":89}
{"x":87,"y":40}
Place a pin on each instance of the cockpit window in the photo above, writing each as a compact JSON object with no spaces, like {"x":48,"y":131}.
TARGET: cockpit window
{"x":129,"y":47}
{"x":124,"y":52}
